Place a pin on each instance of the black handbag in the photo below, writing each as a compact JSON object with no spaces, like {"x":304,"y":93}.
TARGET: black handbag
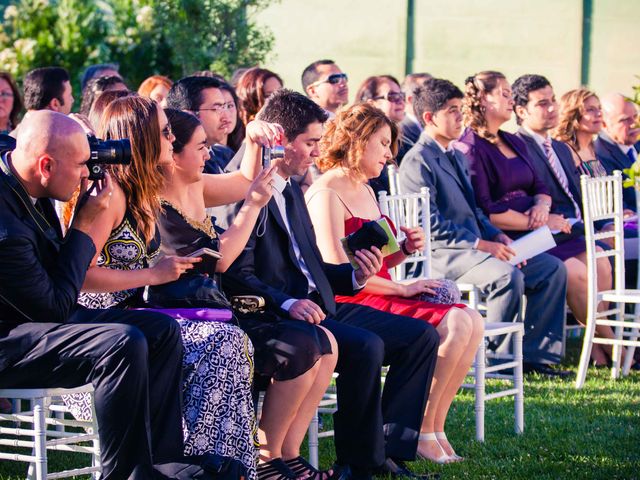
{"x":189,"y":291}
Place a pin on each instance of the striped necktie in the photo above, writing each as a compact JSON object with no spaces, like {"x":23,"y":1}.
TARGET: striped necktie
{"x":562,"y":179}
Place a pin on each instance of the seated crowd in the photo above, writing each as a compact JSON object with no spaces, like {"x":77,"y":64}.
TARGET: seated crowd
{"x":101,"y":287}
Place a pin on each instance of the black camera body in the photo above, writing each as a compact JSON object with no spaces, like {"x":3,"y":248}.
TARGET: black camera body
{"x":107,"y":152}
{"x":103,"y":152}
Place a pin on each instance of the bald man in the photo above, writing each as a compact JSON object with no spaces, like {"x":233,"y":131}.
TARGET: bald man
{"x":617,"y":144}
{"x":133,"y":359}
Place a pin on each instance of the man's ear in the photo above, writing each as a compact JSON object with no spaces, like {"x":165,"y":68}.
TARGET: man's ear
{"x":427,"y":117}
{"x":521,"y":112}
{"x":54,"y":105}
{"x":311,"y":91}
{"x":45,"y":166}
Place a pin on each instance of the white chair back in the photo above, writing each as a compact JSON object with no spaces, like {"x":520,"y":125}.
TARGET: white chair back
{"x":394,"y":179}
{"x":602,"y":200}
{"x":409,"y":210}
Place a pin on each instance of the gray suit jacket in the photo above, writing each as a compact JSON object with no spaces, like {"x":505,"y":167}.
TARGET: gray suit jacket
{"x":612,"y":158}
{"x":561,"y":202}
{"x":456,"y":220}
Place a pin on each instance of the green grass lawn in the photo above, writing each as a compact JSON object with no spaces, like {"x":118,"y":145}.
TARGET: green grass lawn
{"x":593,"y":433}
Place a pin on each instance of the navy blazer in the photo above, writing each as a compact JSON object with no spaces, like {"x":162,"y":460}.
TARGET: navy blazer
{"x":456,"y":221}
{"x":561,"y":203}
{"x":409,"y":135}
{"x":612,"y":158}
{"x":40,"y":274}
{"x":268,"y":266}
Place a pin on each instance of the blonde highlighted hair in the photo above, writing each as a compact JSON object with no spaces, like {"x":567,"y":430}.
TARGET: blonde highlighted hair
{"x":346,"y":137}
{"x":571,"y":112}
{"x":136,"y":118}
{"x":473,"y":112}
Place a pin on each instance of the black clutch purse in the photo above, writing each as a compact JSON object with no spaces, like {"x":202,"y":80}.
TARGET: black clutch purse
{"x":370,"y":234}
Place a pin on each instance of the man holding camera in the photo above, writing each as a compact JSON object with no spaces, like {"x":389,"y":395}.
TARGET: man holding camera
{"x":282,"y":263}
{"x":132,"y":358}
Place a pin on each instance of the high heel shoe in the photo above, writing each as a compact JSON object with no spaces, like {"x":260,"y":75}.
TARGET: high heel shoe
{"x":442,"y":459}
{"x":443,"y":436}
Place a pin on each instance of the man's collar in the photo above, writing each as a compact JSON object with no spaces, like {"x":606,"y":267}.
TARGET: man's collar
{"x":536,"y":136}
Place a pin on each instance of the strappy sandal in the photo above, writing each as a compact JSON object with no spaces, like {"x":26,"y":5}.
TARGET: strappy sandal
{"x":275,"y":469}
{"x":302,"y":468}
{"x":441,"y":459}
{"x":455,"y":457}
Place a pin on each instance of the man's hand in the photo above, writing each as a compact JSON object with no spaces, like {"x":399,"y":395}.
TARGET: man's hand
{"x":497,"y":249}
{"x":415,"y":239}
{"x":264,"y":133}
{"x":306,"y":311}
{"x":370,"y":263}
{"x":93,"y":204}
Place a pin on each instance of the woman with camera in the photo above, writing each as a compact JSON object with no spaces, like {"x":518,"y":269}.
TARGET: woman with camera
{"x":354,"y":149}
{"x":217,"y":360}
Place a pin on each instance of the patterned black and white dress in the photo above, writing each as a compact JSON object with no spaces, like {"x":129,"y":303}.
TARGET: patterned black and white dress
{"x":218,"y":414}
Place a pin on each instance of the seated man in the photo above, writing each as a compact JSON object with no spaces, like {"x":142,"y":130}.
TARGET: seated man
{"x":281,"y":262}
{"x":133,"y":359}
{"x":326,"y":85}
{"x":466,"y":247}
{"x":410,"y":127}
{"x":617,"y":145}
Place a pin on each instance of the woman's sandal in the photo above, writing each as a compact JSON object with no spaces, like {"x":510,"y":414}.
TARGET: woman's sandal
{"x":442,"y":459}
{"x":301,"y":468}
{"x":455,"y":457}
{"x":275,"y":469}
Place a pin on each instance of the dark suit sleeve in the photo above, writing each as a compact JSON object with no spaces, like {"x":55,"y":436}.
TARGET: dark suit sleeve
{"x":242,"y":274}
{"x":341,"y":278}
{"x":44,"y":296}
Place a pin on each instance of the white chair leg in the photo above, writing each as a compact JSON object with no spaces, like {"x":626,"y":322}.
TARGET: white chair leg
{"x":589,"y":331}
{"x":630,"y":352}
{"x":313,"y":440}
{"x":518,"y":382}
{"x":479,"y":390}
{"x":40,"y":439}
{"x":616,"y":353}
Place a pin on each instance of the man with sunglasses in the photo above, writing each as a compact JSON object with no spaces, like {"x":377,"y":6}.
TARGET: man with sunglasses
{"x":203,"y":97}
{"x":326,"y":85}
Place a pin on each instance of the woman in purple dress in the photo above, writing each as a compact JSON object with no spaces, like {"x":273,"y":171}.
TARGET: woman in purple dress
{"x":511,"y":194}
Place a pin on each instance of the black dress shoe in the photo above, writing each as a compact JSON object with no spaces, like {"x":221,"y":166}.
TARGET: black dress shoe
{"x":546,"y":370}
{"x":350,"y":472}
{"x":398,"y":469}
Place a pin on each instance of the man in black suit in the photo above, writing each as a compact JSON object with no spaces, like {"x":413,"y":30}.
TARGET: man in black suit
{"x":282,"y":263}
{"x":410,"y":126}
{"x":133,"y":359}
{"x":467,"y":247}
{"x":618,"y":143}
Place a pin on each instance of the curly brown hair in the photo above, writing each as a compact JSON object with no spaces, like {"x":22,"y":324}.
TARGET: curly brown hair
{"x":346,"y":137}
{"x":571,"y":112}
{"x":475,"y":88}
{"x":136,"y":118}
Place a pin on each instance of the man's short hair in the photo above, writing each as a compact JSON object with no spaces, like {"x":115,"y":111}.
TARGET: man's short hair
{"x":433,"y":95}
{"x":413,"y":81}
{"x":186,"y":93}
{"x":293,"y":111}
{"x":93,"y":71}
{"x":523,"y":86}
{"x":310,"y":74}
{"x":42,"y":85}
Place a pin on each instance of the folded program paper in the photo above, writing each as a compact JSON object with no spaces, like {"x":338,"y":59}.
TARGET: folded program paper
{"x":532,"y":244}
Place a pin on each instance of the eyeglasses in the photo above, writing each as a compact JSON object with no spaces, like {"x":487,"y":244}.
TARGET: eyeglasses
{"x":333,"y":79}
{"x":393,"y":97}
{"x":6,"y":94}
{"x":167,"y":132}
{"x":219,"y":107}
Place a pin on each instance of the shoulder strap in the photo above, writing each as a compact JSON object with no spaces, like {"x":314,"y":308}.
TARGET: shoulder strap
{"x":336,"y":194}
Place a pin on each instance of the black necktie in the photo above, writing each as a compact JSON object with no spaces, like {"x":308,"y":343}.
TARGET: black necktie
{"x":306,"y":250}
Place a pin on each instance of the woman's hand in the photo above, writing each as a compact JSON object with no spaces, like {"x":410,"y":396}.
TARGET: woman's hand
{"x":261,"y":189}
{"x":264,"y":133}
{"x":420,"y":286}
{"x":415,"y":239}
{"x":170,"y":267}
{"x":538,"y":216}
{"x":558,"y":222}
{"x":370,"y":263}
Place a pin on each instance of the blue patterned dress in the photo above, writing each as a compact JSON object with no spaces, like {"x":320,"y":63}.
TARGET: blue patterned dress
{"x":218,"y":414}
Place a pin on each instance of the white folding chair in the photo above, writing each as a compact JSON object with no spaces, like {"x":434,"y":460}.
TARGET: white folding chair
{"x":30,"y":429}
{"x":411,"y":210}
{"x":602,"y":200}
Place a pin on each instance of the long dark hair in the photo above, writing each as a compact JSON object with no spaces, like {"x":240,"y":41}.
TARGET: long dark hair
{"x":183,"y":124}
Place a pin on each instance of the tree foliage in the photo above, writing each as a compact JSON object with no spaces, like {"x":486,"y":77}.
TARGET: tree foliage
{"x":169,"y":37}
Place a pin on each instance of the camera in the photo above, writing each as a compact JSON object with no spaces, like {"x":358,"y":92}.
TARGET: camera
{"x":271,"y":154}
{"x":107,"y":152}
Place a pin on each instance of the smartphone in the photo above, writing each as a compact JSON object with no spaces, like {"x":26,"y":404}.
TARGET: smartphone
{"x":205,"y":251}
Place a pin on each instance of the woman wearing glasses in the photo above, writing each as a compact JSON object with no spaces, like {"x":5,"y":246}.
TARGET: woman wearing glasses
{"x":10,"y":103}
{"x":383,"y":92}
{"x":217,"y":360}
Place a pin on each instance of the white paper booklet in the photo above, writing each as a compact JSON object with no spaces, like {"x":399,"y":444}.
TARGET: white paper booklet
{"x":532,"y":244}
